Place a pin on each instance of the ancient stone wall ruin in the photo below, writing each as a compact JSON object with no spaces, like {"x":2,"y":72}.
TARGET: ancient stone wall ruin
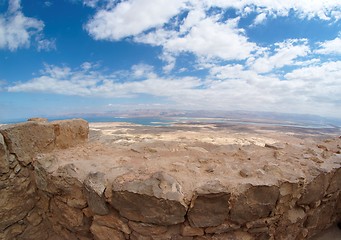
{"x":39,"y":201}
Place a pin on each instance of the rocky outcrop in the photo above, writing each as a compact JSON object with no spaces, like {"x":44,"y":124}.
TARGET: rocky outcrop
{"x":44,"y":196}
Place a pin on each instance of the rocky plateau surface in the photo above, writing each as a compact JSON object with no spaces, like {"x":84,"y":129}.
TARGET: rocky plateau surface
{"x":66,"y":180}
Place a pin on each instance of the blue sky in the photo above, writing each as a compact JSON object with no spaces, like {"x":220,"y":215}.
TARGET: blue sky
{"x":85,"y":56}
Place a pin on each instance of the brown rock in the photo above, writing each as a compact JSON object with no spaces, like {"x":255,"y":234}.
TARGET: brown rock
{"x":12,"y":232}
{"x":320,"y":217}
{"x":101,"y":232}
{"x":41,"y":231}
{"x":238,"y":235}
{"x":256,"y":202}
{"x":209,"y":210}
{"x":25,"y":140}
{"x":113,"y":220}
{"x":188,"y":231}
{"x":209,"y":206}
{"x":70,"y":132}
{"x":67,"y":216}
{"x":156,"y":200}
{"x":34,"y":218}
{"x":315,"y":190}
{"x":227,"y":226}
{"x":17,"y":199}
{"x":147,"y":229}
{"x":94,"y":190}
{"x":137,"y":236}
{"x":335,"y":183}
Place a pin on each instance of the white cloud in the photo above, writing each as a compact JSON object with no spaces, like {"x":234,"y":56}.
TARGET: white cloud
{"x":284,"y":54}
{"x":88,"y":82}
{"x":131,"y":17}
{"x":312,"y":89}
{"x":190,"y":26}
{"x":17,"y":30}
{"x":205,"y":37}
{"x":259,"y":19}
{"x":330,"y":47}
{"x":91,"y":3}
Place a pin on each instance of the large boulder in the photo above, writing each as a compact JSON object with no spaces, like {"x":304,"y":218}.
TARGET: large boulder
{"x":209,"y":206}
{"x":25,"y":140}
{"x":69,"y":133}
{"x":256,"y":202}
{"x":94,"y":190}
{"x":157,"y":200}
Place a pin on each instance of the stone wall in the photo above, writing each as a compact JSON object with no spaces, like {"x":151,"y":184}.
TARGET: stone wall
{"x":24,"y":207}
{"x":42,"y":201}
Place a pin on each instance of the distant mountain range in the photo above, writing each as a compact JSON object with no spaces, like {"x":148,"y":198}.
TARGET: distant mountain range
{"x":244,"y":116}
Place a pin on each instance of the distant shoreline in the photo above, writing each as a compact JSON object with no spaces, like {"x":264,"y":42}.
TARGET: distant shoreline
{"x":167,"y":121}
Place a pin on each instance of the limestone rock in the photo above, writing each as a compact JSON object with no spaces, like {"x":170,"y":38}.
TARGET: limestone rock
{"x":25,"y":140}
{"x":113,"y":220}
{"x":188,"y":231}
{"x":237,"y":235}
{"x":147,"y":229}
{"x":37,"y":119}
{"x":226,"y":226}
{"x":319,"y":218}
{"x":335,"y":183}
{"x":315,"y":190}
{"x":40,"y":231}
{"x":209,"y":206}
{"x":16,"y":200}
{"x":12,"y":232}
{"x":4,"y":163}
{"x":157,"y":200}
{"x":69,"y":133}
{"x":94,"y":189}
{"x":256,"y":202}
{"x":101,"y":232}
{"x":67,"y":216}
{"x":209,"y":209}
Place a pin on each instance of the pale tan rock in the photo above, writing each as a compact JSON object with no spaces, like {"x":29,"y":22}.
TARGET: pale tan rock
{"x":37,"y":119}
{"x":147,"y":229}
{"x":69,"y":133}
{"x":101,"y":232}
{"x":113,"y":220}
{"x":94,"y":192}
{"x":25,"y":140}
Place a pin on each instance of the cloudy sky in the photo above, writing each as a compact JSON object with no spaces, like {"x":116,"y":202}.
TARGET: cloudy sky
{"x":71,"y":56}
